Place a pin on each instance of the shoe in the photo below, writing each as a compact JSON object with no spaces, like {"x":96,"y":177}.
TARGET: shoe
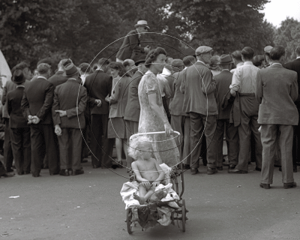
{"x":53,"y":173}
{"x":231,"y":166}
{"x":265,"y":185}
{"x":10,"y":170}
{"x":194,"y":171}
{"x":220,"y":168}
{"x":64,"y":172}
{"x":258,"y":169}
{"x":36,"y":175}
{"x":84,"y":160}
{"x":96,"y":165}
{"x":237,"y":171}
{"x":78,"y":171}
{"x":26,"y":172}
{"x":187,"y":166}
{"x":70,"y":171}
{"x":211,"y":171}
{"x":289,"y":185}
{"x":8,"y":174}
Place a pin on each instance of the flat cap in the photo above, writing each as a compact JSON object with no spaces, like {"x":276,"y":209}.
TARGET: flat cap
{"x":43,"y":68}
{"x":203,"y":49}
{"x":177,"y":63}
{"x":225,"y":58}
{"x":268,"y":49}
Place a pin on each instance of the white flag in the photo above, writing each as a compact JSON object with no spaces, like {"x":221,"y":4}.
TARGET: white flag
{"x":5,"y":73}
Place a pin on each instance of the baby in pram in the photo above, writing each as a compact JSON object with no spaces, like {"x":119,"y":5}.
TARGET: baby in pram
{"x":147,"y":171}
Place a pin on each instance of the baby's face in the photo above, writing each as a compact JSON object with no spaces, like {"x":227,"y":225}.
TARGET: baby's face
{"x":146,"y":150}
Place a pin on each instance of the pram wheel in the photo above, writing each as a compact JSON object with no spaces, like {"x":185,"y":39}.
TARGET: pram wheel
{"x":129,"y":220}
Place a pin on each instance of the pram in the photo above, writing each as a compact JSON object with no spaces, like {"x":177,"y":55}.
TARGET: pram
{"x":150,"y":214}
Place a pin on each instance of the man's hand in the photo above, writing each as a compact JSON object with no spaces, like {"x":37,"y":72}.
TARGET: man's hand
{"x":29,"y":118}
{"x":233,"y":93}
{"x":61,"y":113}
{"x":35,"y":119}
{"x":98,"y":102}
{"x":57,"y":130}
{"x":146,"y":184}
{"x":147,"y":49}
{"x":168,"y":129}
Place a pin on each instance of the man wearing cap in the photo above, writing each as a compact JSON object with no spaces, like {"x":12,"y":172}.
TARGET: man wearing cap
{"x":276,"y":91}
{"x":132,"y":110}
{"x":10,"y":86}
{"x":223,"y":81}
{"x":200,"y":104}
{"x":295,"y":66}
{"x":59,"y":77}
{"x":69,"y":103}
{"x":20,"y":131}
{"x":179,"y":119}
{"x":131,"y":47}
{"x":98,"y":86}
{"x":36,"y":106}
{"x":245,"y":108}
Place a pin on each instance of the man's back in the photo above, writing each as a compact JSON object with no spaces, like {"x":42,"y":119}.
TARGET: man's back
{"x":223,"y":81}
{"x":39,"y":93}
{"x":98,"y":86}
{"x":199,"y":90}
{"x":276,"y":91}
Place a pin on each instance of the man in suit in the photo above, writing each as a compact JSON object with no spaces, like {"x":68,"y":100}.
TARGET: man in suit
{"x":36,"y":105}
{"x":132,"y":110}
{"x":19,"y":129}
{"x":276,"y":91}
{"x":223,"y":81}
{"x":200,"y":102}
{"x":98,"y":86}
{"x":246,"y":108}
{"x":10,"y":86}
{"x":60,"y":76}
{"x":69,"y":103}
{"x":295,"y":66}
{"x":131,"y":47}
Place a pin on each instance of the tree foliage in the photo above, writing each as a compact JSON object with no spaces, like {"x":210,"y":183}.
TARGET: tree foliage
{"x":86,"y":30}
{"x":288,"y":36}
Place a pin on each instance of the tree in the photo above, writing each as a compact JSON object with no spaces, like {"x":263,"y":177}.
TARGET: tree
{"x":288,"y":36}
{"x":28,"y":28}
{"x":222,"y":24}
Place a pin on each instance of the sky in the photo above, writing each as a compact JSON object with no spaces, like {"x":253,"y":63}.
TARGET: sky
{"x":278,"y":10}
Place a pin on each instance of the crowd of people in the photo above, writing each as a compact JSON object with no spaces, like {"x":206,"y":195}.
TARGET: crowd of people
{"x":56,"y":120}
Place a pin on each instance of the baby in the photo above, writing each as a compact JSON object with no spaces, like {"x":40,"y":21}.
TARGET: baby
{"x":147,"y":170}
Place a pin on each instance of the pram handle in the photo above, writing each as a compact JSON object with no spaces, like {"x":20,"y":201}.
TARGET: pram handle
{"x":152,"y":133}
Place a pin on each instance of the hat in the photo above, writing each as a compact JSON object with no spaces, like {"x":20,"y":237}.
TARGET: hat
{"x":43,"y":68}
{"x":203,"y":49}
{"x":18,"y":76}
{"x":225,"y":59}
{"x":177,"y":63}
{"x":268,"y":49}
{"x":70,"y":68}
{"x":142,"y":23}
{"x":85,"y":67}
{"x":140,"y":61}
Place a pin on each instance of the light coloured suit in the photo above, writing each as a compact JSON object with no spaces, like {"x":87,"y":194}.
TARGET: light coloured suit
{"x":276,"y":91}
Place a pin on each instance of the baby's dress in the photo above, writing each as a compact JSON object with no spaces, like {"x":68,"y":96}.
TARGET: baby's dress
{"x":165,"y":148}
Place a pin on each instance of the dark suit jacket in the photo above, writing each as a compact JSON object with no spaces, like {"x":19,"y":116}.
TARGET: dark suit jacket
{"x":199,"y":88}
{"x":58,"y":78}
{"x":98,"y":86}
{"x":14,"y":98}
{"x":276,"y":91}
{"x":131,"y":47}
{"x":295,"y":66}
{"x":176,"y":105}
{"x":132,"y":110}
{"x":72,"y":98}
{"x":37,"y":100}
{"x":9,"y":86}
{"x":223,"y":81}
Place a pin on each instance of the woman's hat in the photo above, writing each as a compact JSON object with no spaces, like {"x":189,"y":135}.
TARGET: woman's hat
{"x":142,"y":23}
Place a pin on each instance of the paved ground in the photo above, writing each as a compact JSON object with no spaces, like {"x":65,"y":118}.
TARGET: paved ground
{"x":89,"y":206}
